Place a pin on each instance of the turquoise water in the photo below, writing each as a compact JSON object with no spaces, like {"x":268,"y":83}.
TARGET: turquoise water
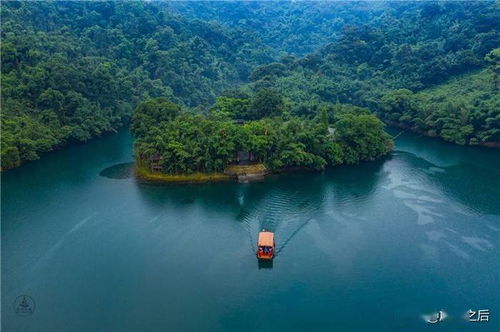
{"x":363,"y":248}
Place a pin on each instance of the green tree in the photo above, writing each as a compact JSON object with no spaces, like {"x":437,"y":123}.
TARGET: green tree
{"x":153,"y":111}
{"x":265,"y":103}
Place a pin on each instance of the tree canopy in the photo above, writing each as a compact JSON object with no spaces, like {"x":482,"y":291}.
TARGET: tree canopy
{"x":395,"y":63}
{"x":75,"y":70}
{"x":72,"y":71}
{"x":190,"y":143}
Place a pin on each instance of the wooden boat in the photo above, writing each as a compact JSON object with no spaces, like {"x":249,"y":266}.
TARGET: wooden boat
{"x":265,"y":245}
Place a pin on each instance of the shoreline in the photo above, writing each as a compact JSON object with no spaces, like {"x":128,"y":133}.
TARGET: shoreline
{"x":395,"y":124}
{"x":239,"y":173}
{"x":143,"y":174}
{"x":236,"y":173}
{"x":489,"y":145}
{"x":62,"y":146}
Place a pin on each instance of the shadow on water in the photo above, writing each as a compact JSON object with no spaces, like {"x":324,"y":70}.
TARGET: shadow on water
{"x":75,"y":164}
{"x":119,"y":171}
{"x":356,"y":184}
{"x":441,"y":153}
{"x":265,"y":264}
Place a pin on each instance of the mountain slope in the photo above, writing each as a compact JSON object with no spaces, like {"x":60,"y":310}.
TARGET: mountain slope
{"x":381,"y":66}
{"x":287,"y":26}
{"x":465,"y":110}
{"x":74,"y":70}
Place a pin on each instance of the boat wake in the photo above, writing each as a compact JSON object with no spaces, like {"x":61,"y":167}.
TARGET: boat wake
{"x":283,"y":212}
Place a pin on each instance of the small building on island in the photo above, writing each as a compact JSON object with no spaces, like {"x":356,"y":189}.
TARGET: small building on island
{"x":156,"y":165}
{"x":243,"y":157}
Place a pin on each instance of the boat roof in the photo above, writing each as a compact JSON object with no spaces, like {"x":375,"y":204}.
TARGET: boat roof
{"x":266,"y":239}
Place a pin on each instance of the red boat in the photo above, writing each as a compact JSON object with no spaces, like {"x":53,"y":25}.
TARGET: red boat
{"x":265,"y":245}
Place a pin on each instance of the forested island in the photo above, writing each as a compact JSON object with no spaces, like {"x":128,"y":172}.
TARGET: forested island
{"x":305,"y":78}
{"x":174,"y":142}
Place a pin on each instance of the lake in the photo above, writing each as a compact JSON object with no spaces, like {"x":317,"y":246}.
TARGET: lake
{"x":373,"y":247}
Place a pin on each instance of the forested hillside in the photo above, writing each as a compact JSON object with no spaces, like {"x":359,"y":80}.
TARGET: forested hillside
{"x":413,"y":46}
{"x":289,"y":27}
{"x":465,"y":110}
{"x":74,"y":70}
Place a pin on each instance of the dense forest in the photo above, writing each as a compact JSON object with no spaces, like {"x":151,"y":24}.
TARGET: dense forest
{"x":184,"y":143}
{"x":411,"y":47}
{"x":465,"y":110}
{"x":297,"y":28}
{"x":75,"y":70}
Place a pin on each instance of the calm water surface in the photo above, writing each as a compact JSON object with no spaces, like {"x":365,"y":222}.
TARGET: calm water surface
{"x":364,"y":248}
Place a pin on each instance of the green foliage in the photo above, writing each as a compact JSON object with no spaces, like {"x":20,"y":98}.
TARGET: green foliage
{"x":391,"y":62}
{"x":493,"y":60}
{"x":361,"y":137}
{"x":400,"y":106}
{"x":466,"y":110}
{"x":152,"y":111}
{"x":294,"y":27}
{"x":72,"y":71}
{"x":190,"y":143}
{"x":231,"y":108}
{"x":268,"y":71}
{"x":75,"y":70}
{"x":266,"y":103}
